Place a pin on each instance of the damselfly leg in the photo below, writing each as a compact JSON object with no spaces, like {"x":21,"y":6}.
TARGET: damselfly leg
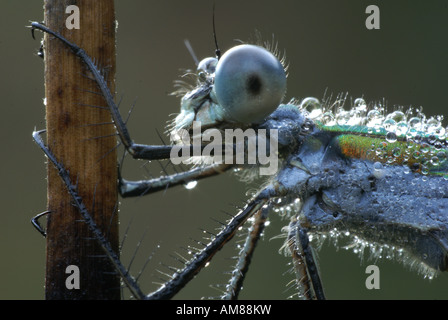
{"x":380,"y":180}
{"x":256,"y":207}
{"x":36,"y":224}
{"x":138,"y":151}
{"x":181,"y":277}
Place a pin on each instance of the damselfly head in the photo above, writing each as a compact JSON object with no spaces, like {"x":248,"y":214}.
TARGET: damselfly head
{"x":243,"y":87}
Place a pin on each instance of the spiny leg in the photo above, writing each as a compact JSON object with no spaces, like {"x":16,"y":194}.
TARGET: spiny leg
{"x":235,"y":284}
{"x":304,"y":264}
{"x":138,"y":151}
{"x":138,"y":188}
{"x":119,"y":123}
{"x":36,"y":224}
{"x":181,"y":278}
{"x":104,"y":243}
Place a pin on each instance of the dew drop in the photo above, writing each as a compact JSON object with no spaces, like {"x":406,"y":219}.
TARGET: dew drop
{"x":402,"y":128}
{"x":359,"y":102}
{"x":441,"y":155}
{"x":415,"y":123}
{"x":434,"y":161}
{"x":397,"y":116}
{"x":416,"y":154}
{"x":425,"y":148}
{"x":377,"y":166}
{"x":312,"y":106}
{"x":390,"y":125}
{"x":373,"y":116}
{"x":342,"y":117}
{"x":406,"y":170}
{"x":432,"y":138}
{"x":378,"y":171}
{"x":396,"y":152}
{"x":328,"y":118}
{"x":391,"y":137}
{"x":190,"y":185}
{"x":314,"y":168}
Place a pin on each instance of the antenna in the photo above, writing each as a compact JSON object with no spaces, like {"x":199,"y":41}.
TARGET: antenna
{"x":190,"y":49}
{"x":217,"y":51}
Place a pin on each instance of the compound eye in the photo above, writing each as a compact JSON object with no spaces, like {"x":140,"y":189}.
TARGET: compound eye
{"x":250,"y":83}
{"x":207,"y":65}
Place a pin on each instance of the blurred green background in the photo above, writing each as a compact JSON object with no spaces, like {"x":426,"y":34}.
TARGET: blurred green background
{"x":327,"y":47}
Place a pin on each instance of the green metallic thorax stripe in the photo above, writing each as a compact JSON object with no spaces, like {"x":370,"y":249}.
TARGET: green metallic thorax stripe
{"x":361,"y":143}
{"x":377,"y":149}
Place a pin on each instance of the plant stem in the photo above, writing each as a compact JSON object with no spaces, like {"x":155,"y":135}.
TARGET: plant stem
{"x":86,"y":151}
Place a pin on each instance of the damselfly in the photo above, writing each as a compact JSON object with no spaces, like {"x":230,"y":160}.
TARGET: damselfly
{"x":341,"y":173}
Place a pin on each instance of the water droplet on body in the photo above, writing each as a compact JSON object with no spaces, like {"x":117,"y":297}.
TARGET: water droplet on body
{"x":190,"y":185}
